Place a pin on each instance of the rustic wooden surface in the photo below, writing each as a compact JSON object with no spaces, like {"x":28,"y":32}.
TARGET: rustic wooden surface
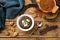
{"x":29,"y":38}
{"x":52,"y":35}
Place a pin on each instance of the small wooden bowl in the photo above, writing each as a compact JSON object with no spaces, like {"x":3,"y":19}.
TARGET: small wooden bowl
{"x":38,"y":2}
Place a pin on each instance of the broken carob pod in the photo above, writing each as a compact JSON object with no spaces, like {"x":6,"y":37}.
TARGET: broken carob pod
{"x":47,"y":29}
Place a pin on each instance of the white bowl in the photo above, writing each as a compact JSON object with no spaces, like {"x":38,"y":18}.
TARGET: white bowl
{"x":18,"y":19}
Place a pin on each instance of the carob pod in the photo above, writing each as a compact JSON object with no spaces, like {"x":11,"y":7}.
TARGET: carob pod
{"x":47,"y":29}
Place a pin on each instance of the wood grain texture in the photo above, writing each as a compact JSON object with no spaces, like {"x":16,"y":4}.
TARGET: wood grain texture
{"x":52,"y":35}
{"x":38,"y":38}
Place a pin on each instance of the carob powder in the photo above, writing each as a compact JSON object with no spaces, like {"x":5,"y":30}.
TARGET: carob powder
{"x":47,"y":5}
{"x":29,"y":24}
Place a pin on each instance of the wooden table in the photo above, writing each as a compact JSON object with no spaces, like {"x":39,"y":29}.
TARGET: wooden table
{"x":54,"y":33}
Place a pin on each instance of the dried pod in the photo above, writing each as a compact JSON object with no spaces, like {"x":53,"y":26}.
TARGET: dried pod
{"x":11,"y":23}
{"x":5,"y":32}
{"x":15,"y":34}
{"x":14,"y":26}
{"x":47,"y":29}
{"x":12,"y":29}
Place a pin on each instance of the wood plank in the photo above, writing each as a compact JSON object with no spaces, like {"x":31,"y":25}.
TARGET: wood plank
{"x":54,"y":33}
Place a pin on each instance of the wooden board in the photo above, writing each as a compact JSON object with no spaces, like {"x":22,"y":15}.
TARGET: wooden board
{"x":54,"y":33}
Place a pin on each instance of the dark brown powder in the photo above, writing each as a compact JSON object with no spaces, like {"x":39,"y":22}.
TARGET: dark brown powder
{"x":29,"y":24}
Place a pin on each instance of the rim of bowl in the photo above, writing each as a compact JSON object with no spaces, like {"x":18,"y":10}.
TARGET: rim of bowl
{"x":18,"y":19}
